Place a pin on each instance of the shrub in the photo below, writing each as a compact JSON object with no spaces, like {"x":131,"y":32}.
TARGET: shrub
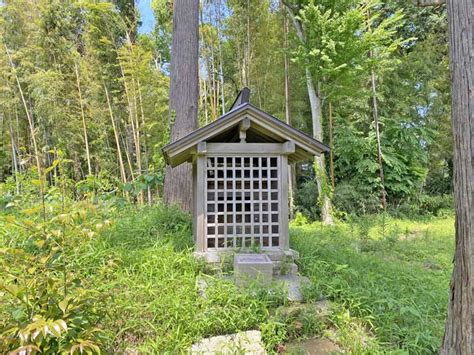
{"x":355,"y":199}
{"x":45,"y":306}
{"x":306,"y":200}
{"x":426,"y":205}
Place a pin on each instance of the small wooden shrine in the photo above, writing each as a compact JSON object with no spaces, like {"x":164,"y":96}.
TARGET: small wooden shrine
{"x":240,"y":179}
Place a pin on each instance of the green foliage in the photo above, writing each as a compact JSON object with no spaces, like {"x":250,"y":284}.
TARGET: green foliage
{"x":306,"y":200}
{"x":46,"y":305}
{"x":428,"y":206}
{"x":273,"y":334}
{"x":354,"y":197}
{"x":81,"y":268}
{"x":395,"y":284}
{"x":113,"y":277}
{"x":121,"y":278}
{"x":63,"y":56}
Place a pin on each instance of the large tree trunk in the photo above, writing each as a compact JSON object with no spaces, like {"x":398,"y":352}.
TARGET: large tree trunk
{"x":291,"y":170}
{"x":315,"y":101}
{"x":458,"y":337}
{"x":184,"y":94}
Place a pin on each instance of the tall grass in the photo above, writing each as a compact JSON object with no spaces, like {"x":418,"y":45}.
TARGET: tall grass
{"x":393,"y":274}
{"x":145,"y":267}
{"x":387,"y":280}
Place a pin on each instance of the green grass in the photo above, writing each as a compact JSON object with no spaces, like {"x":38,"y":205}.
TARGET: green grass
{"x":387,"y":280}
{"x":141,"y":274}
{"x":145,"y":267}
{"x":392,"y":274}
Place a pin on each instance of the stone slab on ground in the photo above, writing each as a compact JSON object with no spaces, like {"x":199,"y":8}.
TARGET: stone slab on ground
{"x":294,"y":283}
{"x":314,"y":346}
{"x":249,"y":342}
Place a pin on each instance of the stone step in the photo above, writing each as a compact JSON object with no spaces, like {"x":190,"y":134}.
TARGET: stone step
{"x":284,"y":268}
{"x":249,"y":342}
{"x":279,"y":255}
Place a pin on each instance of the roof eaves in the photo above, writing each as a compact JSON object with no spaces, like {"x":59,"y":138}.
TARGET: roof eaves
{"x":167,"y":148}
{"x":321,"y":145}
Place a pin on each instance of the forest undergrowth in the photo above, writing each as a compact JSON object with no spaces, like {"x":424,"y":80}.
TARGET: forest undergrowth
{"x":109,"y":276}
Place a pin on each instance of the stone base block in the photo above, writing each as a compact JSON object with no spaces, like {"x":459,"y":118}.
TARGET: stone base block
{"x":250,"y":267}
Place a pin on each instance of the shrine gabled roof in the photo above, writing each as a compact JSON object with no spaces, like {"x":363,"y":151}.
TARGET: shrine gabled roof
{"x":264,"y":126}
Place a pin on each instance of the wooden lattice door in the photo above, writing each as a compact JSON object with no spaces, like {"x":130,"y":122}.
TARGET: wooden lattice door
{"x":242,"y":201}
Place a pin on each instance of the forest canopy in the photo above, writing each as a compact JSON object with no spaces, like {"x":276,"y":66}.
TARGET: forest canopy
{"x":81,"y":84}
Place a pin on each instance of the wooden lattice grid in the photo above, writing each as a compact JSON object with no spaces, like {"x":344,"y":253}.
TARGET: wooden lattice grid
{"x":242,"y":201}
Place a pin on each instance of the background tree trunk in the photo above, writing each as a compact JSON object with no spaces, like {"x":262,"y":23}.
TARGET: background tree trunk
{"x":458,"y":337}
{"x":221,"y":58}
{"x":116,"y":135}
{"x":184,"y":94}
{"x":315,"y":102}
{"x":375,"y":114}
{"x":30,"y":119}
{"x":331,"y":146}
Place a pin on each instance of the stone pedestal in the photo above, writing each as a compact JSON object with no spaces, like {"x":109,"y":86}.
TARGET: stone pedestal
{"x":249,"y":267}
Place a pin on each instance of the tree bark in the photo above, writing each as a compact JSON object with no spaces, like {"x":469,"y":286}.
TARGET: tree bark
{"x":331,"y":154}
{"x":291,"y":170}
{"x":221,"y":58}
{"x":458,"y":336}
{"x":315,"y":103}
{"x":247,"y":52}
{"x":184,"y":94}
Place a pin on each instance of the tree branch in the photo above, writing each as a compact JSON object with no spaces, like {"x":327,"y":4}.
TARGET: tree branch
{"x":297,"y":24}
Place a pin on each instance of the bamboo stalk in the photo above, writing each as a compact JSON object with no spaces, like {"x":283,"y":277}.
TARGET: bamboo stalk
{"x":129,"y":105}
{"x":30,"y":119}
{"x":117,"y":140}
{"x":84,"y":126}
{"x":14,"y":157}
{"x":145,"y":141}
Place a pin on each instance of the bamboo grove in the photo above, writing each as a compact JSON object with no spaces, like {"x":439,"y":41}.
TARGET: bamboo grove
{"x":82,"y":84}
